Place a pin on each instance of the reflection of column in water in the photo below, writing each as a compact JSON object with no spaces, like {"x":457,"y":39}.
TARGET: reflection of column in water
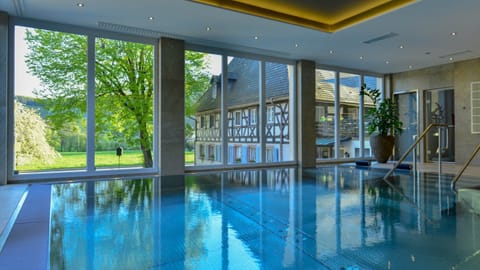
{"x":363,"y":233}
{"x":289,"y":252}
{"x":90,"y":231}
{"x":338,"y":210}
{"x":156,"y":221}
{"x":224,"y":224}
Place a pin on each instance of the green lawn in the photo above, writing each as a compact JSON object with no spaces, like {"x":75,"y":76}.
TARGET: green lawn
{"x":75,"y":160}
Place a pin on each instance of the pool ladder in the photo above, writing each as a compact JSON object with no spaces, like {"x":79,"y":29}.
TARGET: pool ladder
{"x":414,"y":145}
{"x":459,"y":174}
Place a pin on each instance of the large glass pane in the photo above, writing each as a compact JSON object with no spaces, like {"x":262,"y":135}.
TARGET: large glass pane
{"x":439,"y":109}
{"x":349,"y":145}
{"x":278,"y":86}
{"x":242,"y":110}
{"x":407,"y":113}
{"x":203,"y":90}
{"x":50,"y":100}
{"x":373,"y":83}
{"x":325,"y":113}
{"x":123,"y":104}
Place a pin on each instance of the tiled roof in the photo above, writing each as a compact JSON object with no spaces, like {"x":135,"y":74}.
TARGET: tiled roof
{"x":243,"y":85}
{"x":349,"y":88}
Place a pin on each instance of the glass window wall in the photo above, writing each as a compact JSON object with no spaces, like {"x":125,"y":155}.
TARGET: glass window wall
{"x":50,"y":100}
{"x":66,"y":123}
{"x":349,"y":144}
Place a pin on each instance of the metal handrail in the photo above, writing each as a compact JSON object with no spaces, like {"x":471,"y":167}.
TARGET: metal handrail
{"x":413,"y":146}
{"x":474,"y":153}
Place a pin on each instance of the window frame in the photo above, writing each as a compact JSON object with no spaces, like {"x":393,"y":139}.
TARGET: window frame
{"x":227,"y":119}
{"x":335,"y":112}
{"x":92,"y":35}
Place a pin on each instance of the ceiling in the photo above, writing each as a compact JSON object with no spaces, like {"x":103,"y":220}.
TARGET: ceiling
{"x":324,"y":15}
{"x":414,"y":36}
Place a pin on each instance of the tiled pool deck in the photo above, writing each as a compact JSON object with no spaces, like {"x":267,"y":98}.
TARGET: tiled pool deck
{"x":10,"y":196}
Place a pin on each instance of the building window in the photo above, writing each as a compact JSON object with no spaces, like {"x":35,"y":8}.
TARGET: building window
{"x":202,"y":121}
{"x":217,"y":120}
{"x":320,"y":114}
{"x":237,"y":118}
{"x":238,"y":153}
{"x":211,"y":152}
{"x":270,"y":114}
{"x":269,"y":154}
{"x":212,"y":120}
{"x":253,"y":116}
{"x":201,"y":152}
{"x":252,"y":153}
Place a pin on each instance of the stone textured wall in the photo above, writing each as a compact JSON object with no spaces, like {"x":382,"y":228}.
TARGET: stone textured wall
{"x":456,"y":76}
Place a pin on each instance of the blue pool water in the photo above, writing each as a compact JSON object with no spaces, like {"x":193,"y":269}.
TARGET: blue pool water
{"x":337,"y":217}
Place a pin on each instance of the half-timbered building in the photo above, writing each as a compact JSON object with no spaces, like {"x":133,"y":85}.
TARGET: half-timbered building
{"x":242,"y":102}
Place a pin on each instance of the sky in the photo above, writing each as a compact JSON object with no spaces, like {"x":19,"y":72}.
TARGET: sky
{"x":24,"y":82}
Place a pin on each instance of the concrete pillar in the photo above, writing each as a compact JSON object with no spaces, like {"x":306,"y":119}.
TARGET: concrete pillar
{"x":172,"y":113}
{"x":3,"y":96}
{"x":388,"y":86}
{"x":306,"y":113}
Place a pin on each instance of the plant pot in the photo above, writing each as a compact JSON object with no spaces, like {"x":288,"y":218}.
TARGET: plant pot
{"x":382,"y":147}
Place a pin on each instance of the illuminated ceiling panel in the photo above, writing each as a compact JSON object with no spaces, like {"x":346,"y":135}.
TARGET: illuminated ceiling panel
{"x":324,"y":15}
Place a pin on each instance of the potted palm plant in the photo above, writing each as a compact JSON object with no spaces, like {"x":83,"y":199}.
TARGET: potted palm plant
{"x":383,"y":124}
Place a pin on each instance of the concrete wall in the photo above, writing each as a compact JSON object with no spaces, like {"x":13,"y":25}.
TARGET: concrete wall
{"x":465,"y":73}
{"x":172,"y":110}
{"x":3,"y":96}
{"x":306,"y":148}
{"x":457,"y":76}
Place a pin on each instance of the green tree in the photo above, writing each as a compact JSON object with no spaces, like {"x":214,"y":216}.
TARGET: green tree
{"x":123,"y":84}
{"x":31,"y":137}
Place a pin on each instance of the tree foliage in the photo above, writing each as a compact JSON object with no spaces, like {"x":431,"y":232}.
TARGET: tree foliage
{"x":31,"y":135}
{"x":123,"y":85}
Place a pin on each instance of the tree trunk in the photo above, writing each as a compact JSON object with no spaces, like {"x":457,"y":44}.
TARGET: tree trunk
{"x":145,"y":146}
{"x":147,"y":157}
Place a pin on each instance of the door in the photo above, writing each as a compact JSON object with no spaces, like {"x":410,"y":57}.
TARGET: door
{"x":439,"y":108}
{"x":407,"y":103}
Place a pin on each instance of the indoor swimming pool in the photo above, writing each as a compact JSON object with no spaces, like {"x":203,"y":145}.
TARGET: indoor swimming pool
{"x":333,"y":217}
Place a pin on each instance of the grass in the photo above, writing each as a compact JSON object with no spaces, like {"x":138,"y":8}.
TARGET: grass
{"x":103,"y":159}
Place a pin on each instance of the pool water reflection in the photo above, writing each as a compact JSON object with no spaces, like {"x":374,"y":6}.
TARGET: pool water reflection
{"x":337,"y":217}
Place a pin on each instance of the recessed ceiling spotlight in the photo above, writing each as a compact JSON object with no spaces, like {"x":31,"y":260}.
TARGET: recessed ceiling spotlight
{"x":401,"y":47}
{"x":208,"y":28}
{"x":410,"y":66}
{"x":453,"y":33}
{"x":80,"y":4}
{"x":150,"y":18}
{"x":296,"y":45}
{"x":255,"y":37}
{"x":451,"y":58}
{"x":387,"y":62}
{"x":331,"y":51}
{"x":361,"y":57}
